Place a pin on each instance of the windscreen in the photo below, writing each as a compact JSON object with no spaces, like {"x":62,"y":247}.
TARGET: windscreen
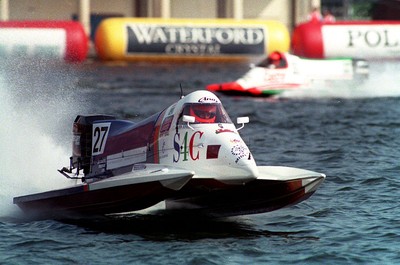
{"x":206,"y":112}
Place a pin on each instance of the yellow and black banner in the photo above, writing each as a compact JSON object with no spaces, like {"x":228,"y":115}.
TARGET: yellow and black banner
{"x":135,"y":38}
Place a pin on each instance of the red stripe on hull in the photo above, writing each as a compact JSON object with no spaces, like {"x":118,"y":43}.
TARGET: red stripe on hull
{"x":155,"y":138}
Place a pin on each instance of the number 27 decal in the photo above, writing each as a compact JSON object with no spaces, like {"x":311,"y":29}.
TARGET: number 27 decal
{"x":99,"y":137}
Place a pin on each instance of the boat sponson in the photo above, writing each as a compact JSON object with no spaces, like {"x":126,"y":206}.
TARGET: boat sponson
{"x":254,"y":197}
{"x":81,"y":199}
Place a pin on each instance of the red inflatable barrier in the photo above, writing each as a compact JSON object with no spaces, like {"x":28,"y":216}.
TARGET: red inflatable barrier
{"x":51,"y":39}
{"x":362,"y":39}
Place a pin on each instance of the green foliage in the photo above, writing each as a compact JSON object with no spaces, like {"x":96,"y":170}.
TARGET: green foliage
{"x":361,"y":10}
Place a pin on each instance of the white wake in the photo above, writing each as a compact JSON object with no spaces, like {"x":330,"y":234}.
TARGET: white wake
{"x":36,"y":112}
{"x":383,"y":81}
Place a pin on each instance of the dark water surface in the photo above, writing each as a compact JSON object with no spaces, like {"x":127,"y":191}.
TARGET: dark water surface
{"x":350,"y":134}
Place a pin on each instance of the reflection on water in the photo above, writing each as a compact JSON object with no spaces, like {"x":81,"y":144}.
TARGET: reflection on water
{"x":161,"y":227}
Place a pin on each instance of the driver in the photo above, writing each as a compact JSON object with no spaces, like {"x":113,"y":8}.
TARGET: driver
{"x":204,"y":113}
{"x":274,"y":60}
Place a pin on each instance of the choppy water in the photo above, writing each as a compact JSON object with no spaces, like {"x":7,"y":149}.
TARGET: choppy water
{"x":351,"y":134}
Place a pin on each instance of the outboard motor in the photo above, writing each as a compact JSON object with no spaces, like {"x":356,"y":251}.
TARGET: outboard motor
{"x":82,"y":140}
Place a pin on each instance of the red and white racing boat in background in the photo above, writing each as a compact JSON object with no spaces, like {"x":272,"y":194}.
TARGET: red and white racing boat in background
{"x":281,"y":72}
{"x":189,"y":155}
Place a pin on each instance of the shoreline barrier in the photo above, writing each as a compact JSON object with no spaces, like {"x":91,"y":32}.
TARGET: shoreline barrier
{"x":188,"y":39}
{"x":356,"y":39}
{"x":65,"y":40}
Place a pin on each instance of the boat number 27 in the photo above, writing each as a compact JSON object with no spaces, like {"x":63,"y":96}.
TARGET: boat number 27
{"x":99,"y":137}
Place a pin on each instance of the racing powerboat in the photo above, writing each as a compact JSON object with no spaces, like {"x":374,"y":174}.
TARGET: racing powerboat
{"x":189,"y":155}
{"x":281,"y":72}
